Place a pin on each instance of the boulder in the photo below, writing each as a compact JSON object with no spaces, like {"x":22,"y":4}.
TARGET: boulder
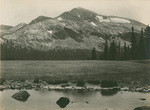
{"x":87,"y":102}
{"x":1,"y":88}
{"x":142,"y":98}
{"x":21,"y":96}
{"x":142,"y":108}
{"x":63,"y":102}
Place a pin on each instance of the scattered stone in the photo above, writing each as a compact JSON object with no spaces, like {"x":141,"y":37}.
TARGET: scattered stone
{"x":87,"y":102}
{"x":37,"y":84}
{"x":65,"y":85}
{"x":80,"y":84}
{"x":73,"y":101}
{"x":142,"y":108}
{"x":63,"y":102}
{"x":12,"y":87}
{"x":142,"y":98}
{"x":2,"y":81}
{"x":21,"y":96}
{"x":1,"y":88}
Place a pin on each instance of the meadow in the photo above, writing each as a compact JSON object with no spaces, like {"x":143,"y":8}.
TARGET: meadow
{"x":94,"y":71}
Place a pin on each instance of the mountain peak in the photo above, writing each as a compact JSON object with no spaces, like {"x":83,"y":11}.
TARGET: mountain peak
{"x":78,"y":9}
{"x":39,"y":19}
{"x":19,"y":26}
{"x":79,"y":14}
{"x":82,"y":10}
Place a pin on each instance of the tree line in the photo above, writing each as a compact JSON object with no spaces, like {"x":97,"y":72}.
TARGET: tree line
{"x":139,"y":48}
{"x":10,"y":51}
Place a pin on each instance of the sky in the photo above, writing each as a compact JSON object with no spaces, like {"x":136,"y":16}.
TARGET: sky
{"x":13,"y":12}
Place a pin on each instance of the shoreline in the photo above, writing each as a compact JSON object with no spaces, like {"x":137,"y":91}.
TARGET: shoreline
{"x":35,"y":84}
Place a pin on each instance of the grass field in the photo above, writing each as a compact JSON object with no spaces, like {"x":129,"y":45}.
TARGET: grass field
{"x":120,"y":71}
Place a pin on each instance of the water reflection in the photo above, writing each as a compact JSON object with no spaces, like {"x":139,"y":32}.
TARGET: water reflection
{"x":109,"y":92}
{"x":79,"y":93}
{"x":78,"y":99}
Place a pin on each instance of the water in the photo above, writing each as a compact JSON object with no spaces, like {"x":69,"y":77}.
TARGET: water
{"x":46,"y":100}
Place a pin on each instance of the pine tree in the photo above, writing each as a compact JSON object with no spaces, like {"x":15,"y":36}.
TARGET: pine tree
{"x":141,"y":47}
{"x":93,"y":54}
{"x":119,"y":52}
{"x":106,"y":51}
{"x":133,"y":45}
{"x":128,"y":53}
{"x":147,"y":45}
{"x":125,"y":55}
{"x":112,"y":51}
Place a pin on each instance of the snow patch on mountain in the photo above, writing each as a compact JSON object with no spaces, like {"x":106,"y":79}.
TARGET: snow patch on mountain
{"x":119,"y":20}
{"x":93,"y":24}
{"x":63,"y":24}
{"x":109,"y":19}
{"x":51,"y":32}
{"x":103,"y":19}
{"x":101,"y":38}
{"x":60,"y":18}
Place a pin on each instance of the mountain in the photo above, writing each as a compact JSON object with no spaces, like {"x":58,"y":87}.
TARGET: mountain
{"x":17,"y":27}
{"x":4,"y":28}
{"x":11,"y":29}
{"x":77,"y":29}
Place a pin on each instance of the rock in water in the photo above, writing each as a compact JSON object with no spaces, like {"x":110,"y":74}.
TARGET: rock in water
{"x":21,"y":96}
{"x":142,"y":98}
{"x":87,"y":102}
{"x":142,"y":108}
{"x":63,"y":102}
{"x":1,"y":88}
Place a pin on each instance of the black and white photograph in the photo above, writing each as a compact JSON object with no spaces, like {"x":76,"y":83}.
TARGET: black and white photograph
{"x":74,"y":55}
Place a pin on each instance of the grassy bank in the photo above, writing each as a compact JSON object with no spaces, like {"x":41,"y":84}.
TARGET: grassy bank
{"x":124,"y":72}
